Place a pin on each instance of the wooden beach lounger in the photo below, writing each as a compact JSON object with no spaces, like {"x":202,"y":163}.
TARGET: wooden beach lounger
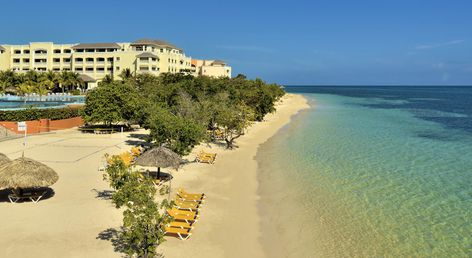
{"x":33,"y":196}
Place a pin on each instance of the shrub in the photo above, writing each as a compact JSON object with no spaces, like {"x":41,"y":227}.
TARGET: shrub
{"x":36,"y":114}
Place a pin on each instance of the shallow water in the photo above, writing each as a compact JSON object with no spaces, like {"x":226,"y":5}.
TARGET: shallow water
{"x":370,"y":172}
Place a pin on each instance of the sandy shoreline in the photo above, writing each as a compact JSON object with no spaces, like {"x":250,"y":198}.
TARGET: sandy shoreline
{"x":77,"y":220}
{"x":230,"y":224}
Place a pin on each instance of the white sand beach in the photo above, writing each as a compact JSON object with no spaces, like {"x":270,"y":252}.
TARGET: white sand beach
{"x":74,"y":222}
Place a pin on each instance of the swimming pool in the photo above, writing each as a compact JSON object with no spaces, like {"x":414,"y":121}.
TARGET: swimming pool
{"x":10,"y":102}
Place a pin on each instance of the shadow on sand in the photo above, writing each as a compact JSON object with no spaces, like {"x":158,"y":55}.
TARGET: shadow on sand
{"x":5,"y":192}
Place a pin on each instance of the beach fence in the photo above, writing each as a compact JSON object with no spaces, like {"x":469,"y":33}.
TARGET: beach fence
{"x":41,"y":126}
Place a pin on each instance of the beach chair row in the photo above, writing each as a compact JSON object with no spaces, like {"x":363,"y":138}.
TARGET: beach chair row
{"x":185,"y":212}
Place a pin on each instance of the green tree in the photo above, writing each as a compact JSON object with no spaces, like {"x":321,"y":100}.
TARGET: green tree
{"x":112,"y":103}
{"x":177,"y":133}
{"x":143,"y":217}
{"x":234,"y":119}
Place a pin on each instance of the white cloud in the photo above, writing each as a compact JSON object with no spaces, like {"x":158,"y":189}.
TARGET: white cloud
{"x":437,"y":45}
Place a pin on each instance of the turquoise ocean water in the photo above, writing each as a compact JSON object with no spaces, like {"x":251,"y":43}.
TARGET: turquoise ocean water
{"x":370,"y":172}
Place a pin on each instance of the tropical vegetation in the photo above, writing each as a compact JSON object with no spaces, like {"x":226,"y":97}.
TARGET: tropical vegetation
{"x":180,"y":109}
{"x":40,"y":83}
{"x":36,"y":114}
{"x":143,"y":217}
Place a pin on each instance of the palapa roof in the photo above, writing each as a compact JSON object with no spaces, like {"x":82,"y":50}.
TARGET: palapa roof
{"x":96,"y":45}
{"x":159,"y":157}
{"x":147,"y":55}
{"x":86,"y":78}
{"x":26,"y":173}
{"x":155,"y":42}
{"x":4,"y":159}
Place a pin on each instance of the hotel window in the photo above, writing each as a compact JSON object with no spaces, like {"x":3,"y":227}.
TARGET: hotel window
{"x":162,"y":50}
{"x":100,"y":59}
{"x":25,"y":60}
{"x":139,"y":48}
{"x":154,"y":59}
{"x":90,"y":50}
{"x":79,"y":50}
{"x":66,"y":69}
{"x":89,"y":69}
{"x":16,"y":60}
{"x":117,"y":59}
{"x":66,"y":60}
{"x":26,"y":51}
{"x":117,"y":68}
{"x":144,"y":68}
{"x":79,"y":69}
{"x":110,"y":69}
{"x":40,"y":51}
{"x":110,"y":50}
{"x":100,"y":69}
{"x":38,"y":60}
{"x":25,"y":68}
{"x":78,"y":60}
{"x":57,"y":51}
{"x":101,"y":50}
{"x":43,"y":69}
{"x":56,"y":69}
{"x":89,"y":60}
{"x":56,"y":60}
{"x":67,"y":51}
{"x":110,"y":59}
{"x":17,"y":51}
{"x":144,"y":59}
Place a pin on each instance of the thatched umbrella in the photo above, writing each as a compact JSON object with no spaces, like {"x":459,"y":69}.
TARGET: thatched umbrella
{"x":26,"y":173}
{"x":4,"y":159}
{"x":159,"y":157}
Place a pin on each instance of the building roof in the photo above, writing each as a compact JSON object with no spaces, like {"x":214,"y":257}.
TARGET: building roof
{"x":147,"y":54}
{"x":155,"y":42}
{"x":219,"y":62}
{"x":96,"y":45}
{"x":86,"y":78}
{"x":2,"y":48}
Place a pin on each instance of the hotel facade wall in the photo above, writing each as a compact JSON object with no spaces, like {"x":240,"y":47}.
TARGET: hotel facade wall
{"x":93,"y":62}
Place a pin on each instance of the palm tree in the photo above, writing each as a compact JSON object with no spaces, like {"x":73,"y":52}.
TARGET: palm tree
{"x":26,"y":87}
{"x":8,"y":80}
{"x":126,"y":74}
{"x":52,"y":77}
{"x":44,"y":86}
{"x":107,"y":79}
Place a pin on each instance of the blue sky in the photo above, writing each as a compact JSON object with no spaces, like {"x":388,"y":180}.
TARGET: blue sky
{"x":363,"y":42}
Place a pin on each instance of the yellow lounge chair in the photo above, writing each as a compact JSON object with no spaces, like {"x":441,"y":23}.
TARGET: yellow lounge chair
{"x":182,"y":212}
{"x":179,"y":224}
{"x":185,"y":217}
{"x":190,"y":206}
{"x":190,"y":196}
{"x":135,"y":151}
{"x":182,"y":233}
{"x":204,"y":157}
